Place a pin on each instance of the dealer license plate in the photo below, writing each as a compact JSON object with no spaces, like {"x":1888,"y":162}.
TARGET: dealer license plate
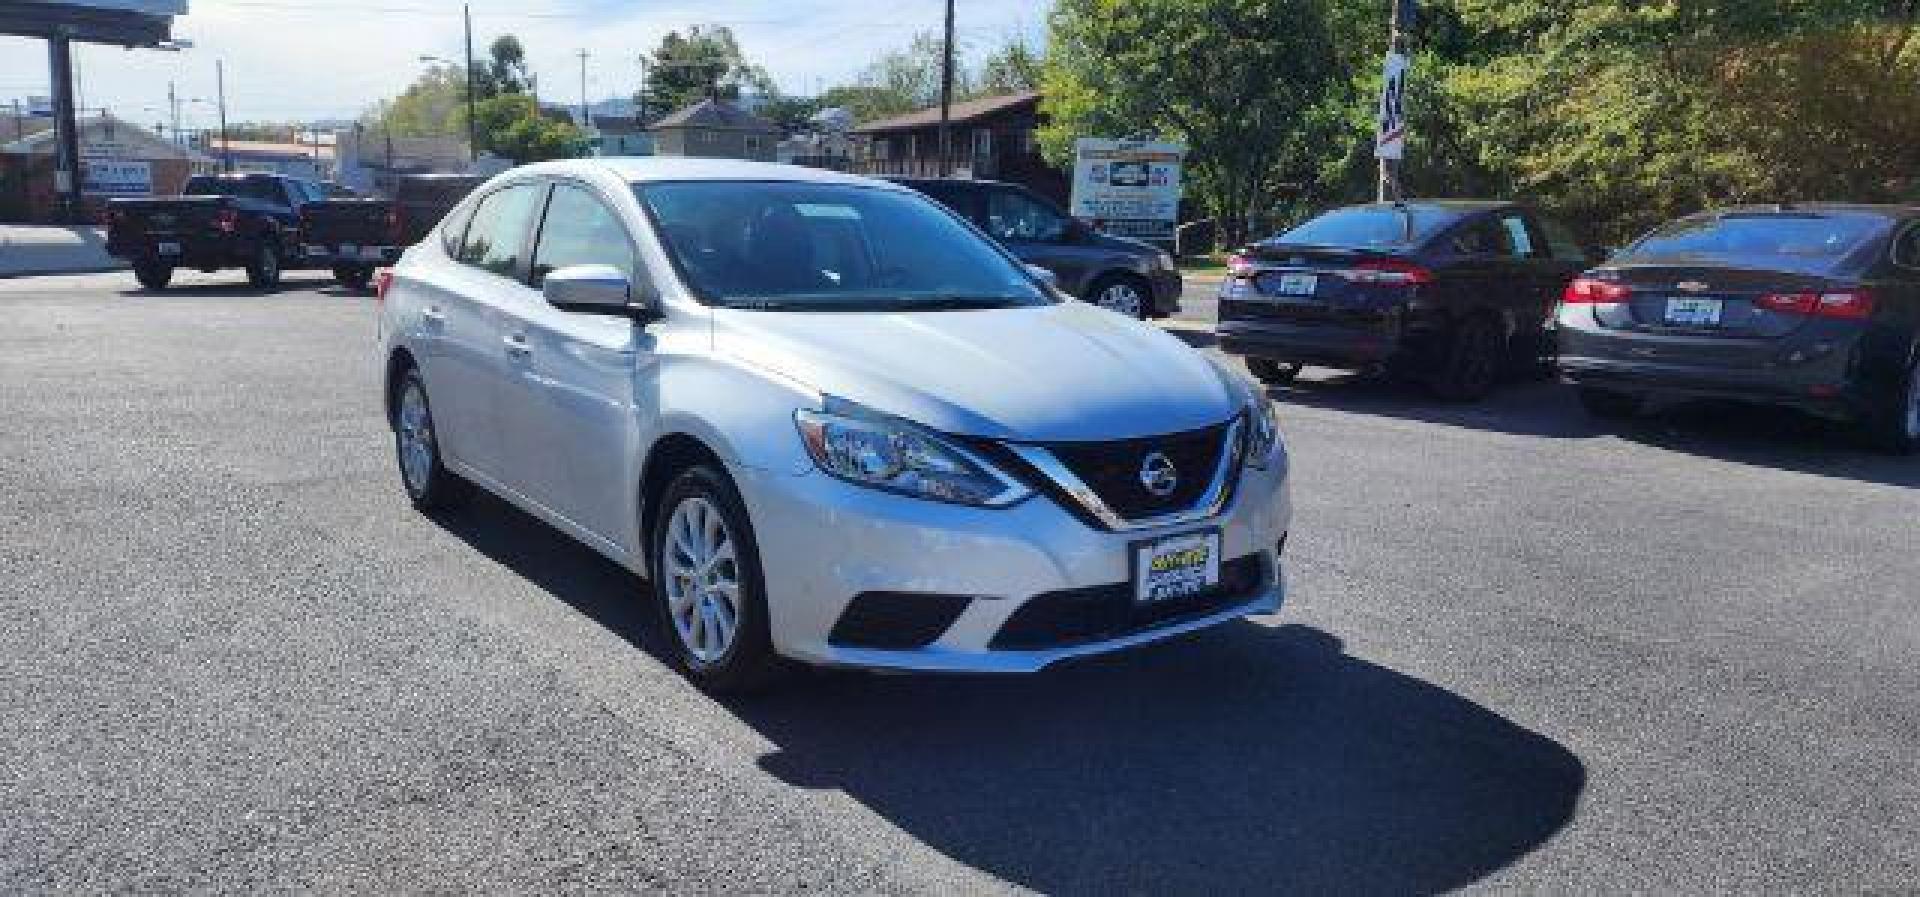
{"x":1694,"y":312}
{"x":168,"y":248}
{"x":1176,"y":567}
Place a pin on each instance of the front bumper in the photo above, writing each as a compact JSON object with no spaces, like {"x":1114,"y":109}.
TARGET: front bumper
{"x":823,"y":543}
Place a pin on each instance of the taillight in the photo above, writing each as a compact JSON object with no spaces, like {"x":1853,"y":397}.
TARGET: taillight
{"x":1239,"y":266}
{"x":1387,"y":272}
{"x":1594,"y":291}
{"x":1849,"y":305}
{"x":382,"y":281}
{"x":227,"y":220}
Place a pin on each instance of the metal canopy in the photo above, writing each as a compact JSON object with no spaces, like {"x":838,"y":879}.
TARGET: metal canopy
{"x":121,"y":24}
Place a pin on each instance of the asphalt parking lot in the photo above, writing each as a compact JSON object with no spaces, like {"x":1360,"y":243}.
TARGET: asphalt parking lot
{"x":1522,"y":652}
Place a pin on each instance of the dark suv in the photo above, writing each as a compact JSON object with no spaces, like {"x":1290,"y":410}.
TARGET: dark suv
{"x":1453,"y":290}
{"x":1126,"y":276}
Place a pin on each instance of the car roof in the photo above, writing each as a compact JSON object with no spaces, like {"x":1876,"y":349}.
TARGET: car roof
{"x":1454,"y":206}
{"x":1889,"y":210}
{"x":655,"y":169}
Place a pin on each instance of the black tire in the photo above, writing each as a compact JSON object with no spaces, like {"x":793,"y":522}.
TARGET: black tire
{"x":354,"y":277}
{"x":153,"y":276}
{"x":263,"y":268}
{"x":1472,"y":361}
{"x":1608,"y":404}
{"x":1112,"y":291}
{"x":435,"y":487}
{"x":1895,"y":428}
{"x":749,"y":662}
{"x":1274,"y":373}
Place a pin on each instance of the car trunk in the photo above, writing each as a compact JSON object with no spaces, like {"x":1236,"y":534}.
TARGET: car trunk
{"x":362,"y":222}
{"x":1713,"y":311}
{"x":1311,"y":285}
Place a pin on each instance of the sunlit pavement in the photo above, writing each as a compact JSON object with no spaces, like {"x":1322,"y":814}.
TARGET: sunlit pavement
{"x":1522,"y":652}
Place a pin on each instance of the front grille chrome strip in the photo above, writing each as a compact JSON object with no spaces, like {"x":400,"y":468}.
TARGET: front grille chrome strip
{"x":1209,"y":505}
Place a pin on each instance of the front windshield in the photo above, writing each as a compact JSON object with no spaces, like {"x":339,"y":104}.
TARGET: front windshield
{"x":778,"y":245}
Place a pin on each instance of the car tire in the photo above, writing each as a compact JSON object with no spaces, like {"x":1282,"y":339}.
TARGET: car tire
{"x":1896,"y":428}
{"x":263,"y":269}
{"x":430,"y":485}
{"x":1274,"y":373}
{"x":354,"y":277}
{"x":701,"y":548}
{"x":1123,"y":295}
{"x":154,"y":277}
{"x":1608,"y":404}
{"x":1472,"y":360}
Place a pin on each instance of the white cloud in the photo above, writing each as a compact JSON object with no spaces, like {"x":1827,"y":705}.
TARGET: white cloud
{"x":291,"y":60}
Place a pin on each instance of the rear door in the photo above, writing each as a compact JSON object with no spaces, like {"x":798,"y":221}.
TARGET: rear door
{"x":1493,"y":266}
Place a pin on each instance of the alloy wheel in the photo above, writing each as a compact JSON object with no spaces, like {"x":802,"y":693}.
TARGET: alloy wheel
{"x":702,"y":579}
{"x":1123,"y":298}
{"x":415,"y":434}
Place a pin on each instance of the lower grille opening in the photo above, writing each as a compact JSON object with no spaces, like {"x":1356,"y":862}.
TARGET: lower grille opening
{"x":1079,"y":616}
{"x":896,"y":621}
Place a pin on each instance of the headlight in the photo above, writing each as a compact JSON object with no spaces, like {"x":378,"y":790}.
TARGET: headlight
{"x":1263,"y":432}
{"x":870,"y":449}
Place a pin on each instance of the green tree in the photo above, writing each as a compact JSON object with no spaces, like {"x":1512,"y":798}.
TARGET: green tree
{"x":512,"y":126}
{"x":504,"y":70}
{"x":1014,"y":68}
{"x":1236,"y":80}
{"x":434,"y":105}
{"x":704,"y":62}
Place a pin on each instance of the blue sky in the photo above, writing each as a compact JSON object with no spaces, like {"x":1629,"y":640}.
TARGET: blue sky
{"x":308,"y":59}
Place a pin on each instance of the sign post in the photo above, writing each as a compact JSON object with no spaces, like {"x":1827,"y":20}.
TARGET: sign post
{"x":1131,"y":188}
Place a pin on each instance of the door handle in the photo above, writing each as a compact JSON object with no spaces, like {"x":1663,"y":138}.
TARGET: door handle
{"x":517,"y":346}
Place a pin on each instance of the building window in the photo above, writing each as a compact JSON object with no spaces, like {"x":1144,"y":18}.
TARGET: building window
{"x":983,"y":144}
{"x":753,"y":143}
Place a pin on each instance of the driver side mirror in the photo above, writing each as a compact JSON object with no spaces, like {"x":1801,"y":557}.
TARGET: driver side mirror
{"x":597,"y":290}
{"x":1045,"y":276}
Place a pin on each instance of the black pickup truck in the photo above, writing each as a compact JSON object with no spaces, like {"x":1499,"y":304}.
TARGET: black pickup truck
{"x":246,"y":221}
{"x":355,"y":235}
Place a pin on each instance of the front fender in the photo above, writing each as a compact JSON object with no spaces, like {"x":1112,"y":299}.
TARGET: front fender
{"x":742,"y":412}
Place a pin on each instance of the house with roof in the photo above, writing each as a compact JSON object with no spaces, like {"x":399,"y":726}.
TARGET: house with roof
{"x":716,"y":129}
{"x":117,"y":158}
{"x":309,"y":157}
{"x":621,"y":135}
{"x":993,"y":139}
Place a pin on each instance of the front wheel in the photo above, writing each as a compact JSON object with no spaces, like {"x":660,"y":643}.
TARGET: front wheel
{"x":707,"y":584}
{"x":1122,"y":295}
{"x":1274,"y":373}
{"x":153,"y":276}
{"x":263,"y":270}
{"x":1896,"y":429}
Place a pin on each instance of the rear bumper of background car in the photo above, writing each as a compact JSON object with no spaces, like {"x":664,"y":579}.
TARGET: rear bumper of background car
{"x":861,"y":578}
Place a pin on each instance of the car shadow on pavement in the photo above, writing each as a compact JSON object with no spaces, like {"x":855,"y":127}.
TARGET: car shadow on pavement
{"x":1246,"y":758}
{"x":1767,"y":437}
{"x":1522,"y":407}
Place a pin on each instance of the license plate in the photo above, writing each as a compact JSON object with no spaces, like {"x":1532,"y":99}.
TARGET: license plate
{"x":1176,"y":567}
{"x":1694,"y":312}
{"x":372,"y":253}
{"x":1297,"y":284}
{"x":167,"y":248}
{"x":315,"y":250}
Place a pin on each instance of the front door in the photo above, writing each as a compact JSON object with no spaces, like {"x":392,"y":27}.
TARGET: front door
{"x":1038,"y":234}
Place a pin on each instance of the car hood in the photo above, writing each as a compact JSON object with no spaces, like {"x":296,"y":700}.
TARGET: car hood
{"x":1059,"y":373}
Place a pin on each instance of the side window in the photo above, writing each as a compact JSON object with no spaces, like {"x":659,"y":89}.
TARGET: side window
{"x":1906,"y":247}
{"x":580,"y":230}
{"x":1483,"y":237}
{"x":497,"y":235}
{"x":1562,"y":244}
{"x":1519,"y":238}
{"x":454,"y":229}
{"x":1020,"y":218}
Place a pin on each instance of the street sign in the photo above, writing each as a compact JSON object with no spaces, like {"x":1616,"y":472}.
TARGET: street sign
{"x":40,"y":107}
{"x":1131,"y":187}
{"x":1390,"y":134}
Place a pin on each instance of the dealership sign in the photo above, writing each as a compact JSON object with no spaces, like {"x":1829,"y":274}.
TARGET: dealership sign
{"x":1130,"y":187}
{"x":117,"y":177}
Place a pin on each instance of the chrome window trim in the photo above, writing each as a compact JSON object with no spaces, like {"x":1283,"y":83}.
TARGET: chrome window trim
{"x":1210,"y":504}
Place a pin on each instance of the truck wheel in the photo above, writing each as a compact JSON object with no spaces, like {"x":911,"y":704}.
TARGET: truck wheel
{"x":1274,"y":373}
{"x":354,"y":277}
{"x":153,"y":276}
{"x":264,"y":269}
{"x":1472,"y":361}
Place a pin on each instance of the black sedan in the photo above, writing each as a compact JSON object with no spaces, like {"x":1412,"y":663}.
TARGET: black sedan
{"x":1816,"y":307}
{"x":1454,"y":291}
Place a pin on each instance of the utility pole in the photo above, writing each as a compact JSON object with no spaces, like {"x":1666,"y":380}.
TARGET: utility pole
{"x":173,"y":108}
{"x":66,"y":126}
{"x":586,"y":123}
{"x":226,"y":145}
{"x":946,"y":97}
{"x":473,"y":124}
